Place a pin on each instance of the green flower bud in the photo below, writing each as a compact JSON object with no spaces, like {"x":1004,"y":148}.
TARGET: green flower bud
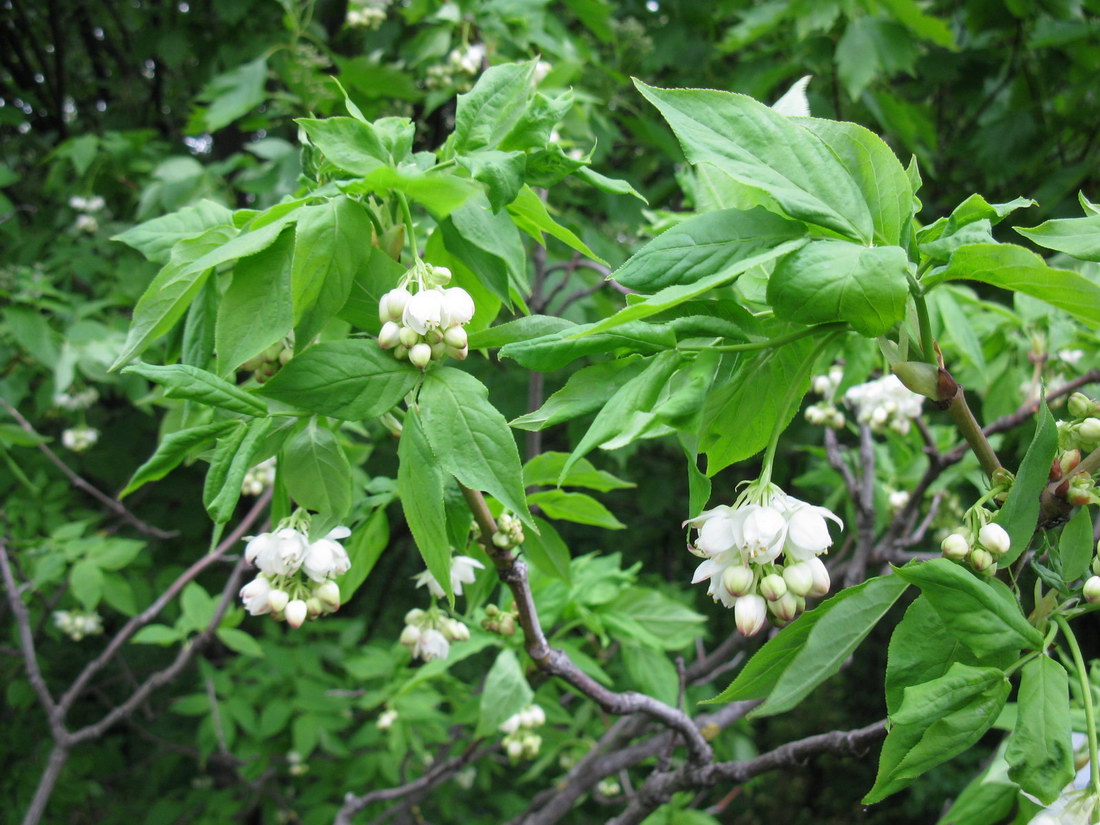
{"x":955,"y":547}
{"x":738,"y":580}
{"x":1091,"y":590}
{"x":982,"y":561}
{"x":1081,"y":406}
{"x":773,"y":587}
{"x":420,"y":355}
{"x":408,"y":337}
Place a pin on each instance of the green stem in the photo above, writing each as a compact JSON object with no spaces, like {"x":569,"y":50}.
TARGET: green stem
{"x":927,"y":350}
{"x":410,"y":230}
{"x":792,"y":394}
{"x":1086,"y":693}
{"x":779,"y":341}
{"x":1089,"y":464}
{"x":971,"y":430}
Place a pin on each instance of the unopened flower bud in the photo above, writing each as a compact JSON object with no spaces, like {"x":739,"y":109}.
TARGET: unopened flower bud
{"x":410,"y":635}
{"x":1089,"y":430}
{"x":458,"y":354}
{"x":1091,"y":590}
{"x":536,"y":716}
{"x":455,"y":337}
{"x":296,"y":611}
{"x":278,"y":599}
{"x":400,"y":352}
{"x":982,"y":560}
{"x":738,"y":580}
{"x":314,"y":607}
{"x":897,"y":499}
{"x":820,"y":572}
{"x":390,"y":335}
{"x":773,"y":587}
{"x":1068,"y":461}
{"x":920,"y":377}
{"x":531,"y":745}
{"x":420,"y":356}
{"x":392,"y":304}
{"x":329,"y":594}
{"x":784,"y":608}
{"x":507,"y":625}
{"x":994,"y":539}
{"x":511,"y":724}
{"x":439,"y":350}
{"x":955,"y":547}
{"x":407,"y":337}
{"x":749,"y":613}
{"x":433,"y":337}
{"x":799,"y":578}
{"x":386,"y":719}
{"x":514,"y":749}
{"x":1081,"y":406}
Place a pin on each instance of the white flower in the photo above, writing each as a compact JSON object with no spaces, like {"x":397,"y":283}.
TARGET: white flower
{"x":511,"y":724}
{"x":423,"y":311}
{"x":715,"y":531}
{"x":458,"y":307}
{"x":326,"y":558}
{"x":884,"y":403}
{"x":86,"y":223}
{"x":763,"y":530}
{"x":462,"y":572}
{"x":431,"y":645}
{"x":386,"y":719}
{"x":807,"y":533}
{"x":329,"y":595}
{"x":79,"y":439}
{"x":256,"y":596}
{"x":78,"y":203}
{"x":994,"y":539}
{"x":794,"y":102}
{"x":714,"y":568}
{"x":296,"y":612}
{"x":820,"y":575}
{"x":897,"y":499}
{"x":1070,"y":356}
{"x":749,"y":613}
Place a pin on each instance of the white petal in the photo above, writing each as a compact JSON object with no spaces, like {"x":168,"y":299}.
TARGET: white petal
{"x":794,"y":102}
{"x":337,"y":533}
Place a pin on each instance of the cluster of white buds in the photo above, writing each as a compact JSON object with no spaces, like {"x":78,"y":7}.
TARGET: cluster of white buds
{"x":609,"y":787}
{"x":884,"y":404}
{"x":268,"y":362}
{"x":499,"y":621}
{"x":422,"y":321}
{"x":980,"y":547}
{"x":366,"y":15}
{"x":460,"y":66}
{"x":1083,"y":432}
{"x":462,"y":572}
{"x":509,"y":532}
{"x":428,"y":633}
{"x":76,"y":624}
{"x":295,"y":764}
{"x":79,"y":439}
{"x":741,"y":544}
{"x":75,"y":401}
{"x":86,"y":222}
{"x":281,"y":557}
{"x":825,"y":413}
{"x":259,"y":478}
{"x":386,"y":719}
{"x":519,"y":741}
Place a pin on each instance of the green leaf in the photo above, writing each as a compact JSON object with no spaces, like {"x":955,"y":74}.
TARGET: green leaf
{"x":788,"y":168}
{"x":364,"y":546}
{"x":172,"y":450}
{"x":1075,"y":546}
{"x":938,"y":720}
{"x":506,"y":693}
{"x":610,"y":186}
{"x":871,"y":48}
{"x":829,"y":280}
{"x":1040,"y":748}
{"x":470,"y":437}
{"x":704,"y":245}
{"x":486,"y":114}
{"x":234,"y":455}
{"x":556,"y":349}
{"x":351,"y":380}
{"x":877,"y":172}
{"x":1019,"y":514}
{"x":547,"y":551}
{"x":182,"y":381}
{"x":114,"y":554}
{"x":15,"y":436}
{"x":239,"y":641}
{"x":316,"y":471}
{"x":490,"y":244}
{"x":973,"y":611}
{"x":586,"y":390}
{"x":376,"y":273}
{"x":989,"y":799}
{"x":170,"y":292}
{"x":813,"y":647}
{"x":652,"y":673}
{"x":653,"y":618}
{"x":500,"y":172}
{"x":578,"y":507}
{"x":755,"y":396}
{"x":1079,"y":237}
{"x":521,"y":329}
{"x":530,"y":214}
{"x":440,"y":192}
{"x":533,"y":128}
{"x":156,"y":634}
{"x":672,"y":296}
{"x":233,"y":94}
{"x":545,"y":469}
{"x":86,"y":584}
{"x":154,"y":239}
{"x":420,"y":486}
{"x":1013,"y":267}
{"x":348,"y":144}
{"x":924,"y":26}
{"x":197,"y":605}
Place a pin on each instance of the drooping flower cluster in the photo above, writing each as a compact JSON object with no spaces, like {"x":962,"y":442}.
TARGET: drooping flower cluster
{"x":980,"y":543}
{"x":825,"y":413}
{"x":86,"y":222}
{"x":76,"y":624}
{"x":509,"y":532}
{"x":428,"y":633}
{"x":520,"y":742}
{"x":884,"y":403}
{"x":79,"y":439}
{"x":459,"y":68}
{"x":462,"y":572}
{"x":281,"y":557}
{"x":366,"y":14}
{"x":386,"y":719}
{"x":742,"y":544}
{"x":259,"y":478}
{"x":76,"y":401}
{"x":422,"y":321}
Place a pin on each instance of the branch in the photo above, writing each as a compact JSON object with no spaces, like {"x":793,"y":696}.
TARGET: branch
{"x":112,"y":504}
{"x":513,"y":572}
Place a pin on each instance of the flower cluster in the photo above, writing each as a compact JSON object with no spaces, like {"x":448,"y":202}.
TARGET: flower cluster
{"x":268,"y":362}
{"x":76,"y":625}
{"x":461,"y":65}
{"x":366,"y":14}
{"x":741,"y":546}
{"x":825,"y":413}
{"x":76,"y":401}
{"x":499,"y":621}
{"x":884,"y":404}
{"x":427,"y":324}
{"x":428,"y":633}
{"x":259,"y":478}
{"x":1091,"y":589}
{"x":980,"y":547}
{"x":86,"y":222}
{"x":519,"y":741}
{"x":462,"y":572}
{"x":280,"y":557}
{"x":509,"y":532}
{"x":386,"y":719}
{"x":79,"y":439}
